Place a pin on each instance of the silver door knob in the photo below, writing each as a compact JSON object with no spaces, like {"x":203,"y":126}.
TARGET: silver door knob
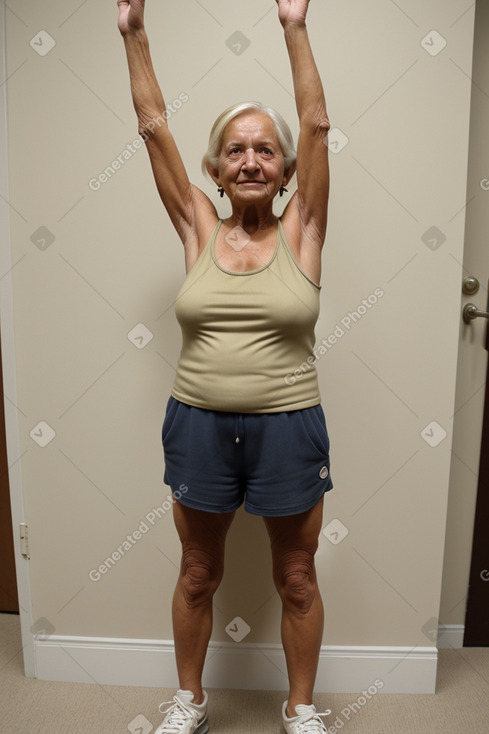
{"x":470,"y":286}
{"x":471,"y":312}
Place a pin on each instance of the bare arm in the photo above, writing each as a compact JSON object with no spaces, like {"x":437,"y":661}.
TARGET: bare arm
{"x":177,"y":193}
{"x":309,"y":206}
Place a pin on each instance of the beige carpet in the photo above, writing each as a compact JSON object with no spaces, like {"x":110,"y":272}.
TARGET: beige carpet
{"x":29,"y":706}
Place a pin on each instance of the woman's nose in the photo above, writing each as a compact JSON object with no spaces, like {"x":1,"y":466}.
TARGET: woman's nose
{"x":250,"y":161}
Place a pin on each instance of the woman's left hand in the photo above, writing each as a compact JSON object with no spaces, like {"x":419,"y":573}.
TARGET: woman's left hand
{"x":292,"y":12}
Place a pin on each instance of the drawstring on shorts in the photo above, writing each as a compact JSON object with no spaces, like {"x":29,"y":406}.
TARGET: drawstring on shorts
{"x":238,"y":429}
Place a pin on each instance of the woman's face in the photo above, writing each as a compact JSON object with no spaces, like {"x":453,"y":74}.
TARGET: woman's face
{"x":251,"y":162}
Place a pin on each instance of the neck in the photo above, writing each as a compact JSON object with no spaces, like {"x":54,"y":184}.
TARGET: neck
{"x":251,"y":219}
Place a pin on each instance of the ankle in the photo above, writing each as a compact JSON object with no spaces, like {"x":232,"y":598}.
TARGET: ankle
{"x":290,"y":711}
{"x":198,"y":692}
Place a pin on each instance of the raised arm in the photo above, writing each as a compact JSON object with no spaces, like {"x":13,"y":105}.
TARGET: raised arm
{"x":309,"y":206}
{"x":176,"y":191}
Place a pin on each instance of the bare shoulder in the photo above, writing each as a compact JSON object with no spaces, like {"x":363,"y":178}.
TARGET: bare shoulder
{"x":199,"y":227}
{"x":304,"y":239}
{"x":291,"y":225}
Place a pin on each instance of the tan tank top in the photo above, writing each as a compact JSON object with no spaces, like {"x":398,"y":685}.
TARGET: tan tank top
{"x":247,"y":336}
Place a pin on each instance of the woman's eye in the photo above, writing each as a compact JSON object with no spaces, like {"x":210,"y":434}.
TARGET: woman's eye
{"x":267,"y":151}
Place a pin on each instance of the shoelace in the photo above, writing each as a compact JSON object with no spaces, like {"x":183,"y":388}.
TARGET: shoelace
{"x":179,"y":716}
{"x":313,"y":725}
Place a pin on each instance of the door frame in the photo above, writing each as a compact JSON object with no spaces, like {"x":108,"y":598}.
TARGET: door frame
{"x":9,"y":374}
{"x":9,"y":601}
{"x":478,"y":590}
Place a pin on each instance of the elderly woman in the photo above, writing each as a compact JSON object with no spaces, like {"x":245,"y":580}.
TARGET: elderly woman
{"x":244,"y":421}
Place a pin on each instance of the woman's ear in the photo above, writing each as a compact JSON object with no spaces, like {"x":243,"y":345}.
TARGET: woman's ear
{"x":289,"y":172}
{"x":213,"y":173}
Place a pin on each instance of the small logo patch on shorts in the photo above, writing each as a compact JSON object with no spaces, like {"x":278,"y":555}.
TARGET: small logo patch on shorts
{"x":323,"y":472}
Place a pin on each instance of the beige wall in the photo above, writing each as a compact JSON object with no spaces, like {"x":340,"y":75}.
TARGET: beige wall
{"x":115,"y":262}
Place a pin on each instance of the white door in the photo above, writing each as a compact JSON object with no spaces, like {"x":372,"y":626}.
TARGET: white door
{"x":472,"y":363}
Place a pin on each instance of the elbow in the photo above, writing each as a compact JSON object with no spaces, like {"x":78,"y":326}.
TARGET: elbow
{"x":321,"y":129}
{"x":323,"y":126}
{"x":148,"y":124}
{"x":320,"y":121}
{"x":316,"y":123}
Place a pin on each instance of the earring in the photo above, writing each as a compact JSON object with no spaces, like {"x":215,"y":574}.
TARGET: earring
{"x":282,"y":189}
{"x":220,"y":191}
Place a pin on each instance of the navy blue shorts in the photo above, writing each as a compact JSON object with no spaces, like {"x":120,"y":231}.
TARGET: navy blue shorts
{"x":277,"y":463}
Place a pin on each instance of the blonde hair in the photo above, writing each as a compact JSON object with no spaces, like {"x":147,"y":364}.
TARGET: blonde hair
{"x":284,"y":133}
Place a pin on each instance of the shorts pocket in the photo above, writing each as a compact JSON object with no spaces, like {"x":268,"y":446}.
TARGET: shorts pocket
{"x":315,"y":431}
{"x":171,"y":412}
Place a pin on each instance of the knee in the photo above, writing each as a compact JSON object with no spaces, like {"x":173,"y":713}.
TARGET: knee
{"x":200,"y":576}
{"x":295,"y":579}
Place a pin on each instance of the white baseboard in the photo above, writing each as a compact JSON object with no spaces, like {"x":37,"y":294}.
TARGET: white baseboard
{"x":450,"y":636}
{"x":151,"y":663}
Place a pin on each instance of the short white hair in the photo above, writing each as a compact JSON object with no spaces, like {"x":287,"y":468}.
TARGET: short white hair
{"x":217,"y":133}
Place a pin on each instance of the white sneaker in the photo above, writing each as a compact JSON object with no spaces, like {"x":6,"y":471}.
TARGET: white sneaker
{"x":183,"y":716}
{"x":307,"y":721}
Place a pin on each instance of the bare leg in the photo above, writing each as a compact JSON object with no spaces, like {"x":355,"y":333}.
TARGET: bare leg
{"x":202,"y":535}
{"x":294,"y":542}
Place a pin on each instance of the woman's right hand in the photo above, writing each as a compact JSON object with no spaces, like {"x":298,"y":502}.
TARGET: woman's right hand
{"x":131,"y":15}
